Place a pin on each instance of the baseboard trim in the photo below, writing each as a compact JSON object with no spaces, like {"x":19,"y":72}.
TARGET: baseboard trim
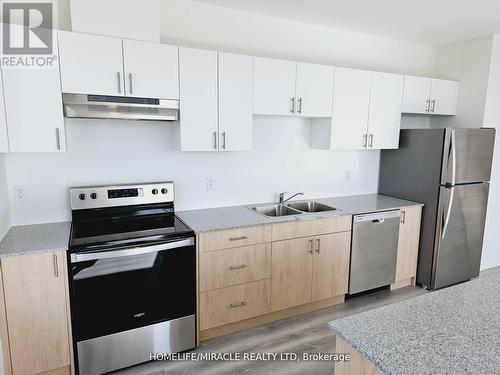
{"x":277,"y":315}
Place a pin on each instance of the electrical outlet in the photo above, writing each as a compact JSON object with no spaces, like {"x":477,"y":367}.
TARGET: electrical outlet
{"x":347,"y":176}
{"x":19,"y":193}
{"x":210,"y":183}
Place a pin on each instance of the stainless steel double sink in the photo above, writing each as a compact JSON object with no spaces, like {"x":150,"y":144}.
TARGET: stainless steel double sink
{"x":295,"y":208}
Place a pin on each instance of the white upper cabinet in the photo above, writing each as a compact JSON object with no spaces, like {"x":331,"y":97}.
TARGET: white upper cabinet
{"x":235,"y":102}
{"x":4,"y":140}
{"x":198,"y":100}
{"x":100,"y":65}
{"x":430,"y":96}
{"x":384,"y":120}
{"x":33,"y":108}
{"x":314,"y":90}
{"x":151,"y":69}
{"x":416,"y":95}
{"x":288,"y":88}
{"x":274,"y":86}
{"x":91,"y":64}
{"x":351,"y":100}
{"x":444,"y":96}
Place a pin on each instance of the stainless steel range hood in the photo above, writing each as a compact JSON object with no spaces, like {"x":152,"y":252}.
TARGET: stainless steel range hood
{"x":120,"y":107}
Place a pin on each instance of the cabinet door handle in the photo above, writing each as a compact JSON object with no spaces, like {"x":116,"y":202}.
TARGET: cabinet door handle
{"x":433,"y":105}
{"x":232,"y":268}
{"x":238,"y":238}
{"x":311,"y":246}
{"x":365,"y":140}
{"x":299,"y":110}
{"x":318,"y":245}
{"x":427,"y":105}
{"x":223,"y":140}
{"x":119,"y":79}
{"x":292,"y":105}
{"x":130,"y":83}
{"x":58,"y":139}
{"x":214,"y":135}
{"x":371,"y":141}
{"x":56,"y":265}
{"x":403,"y":217}
{"x":233,"y":305}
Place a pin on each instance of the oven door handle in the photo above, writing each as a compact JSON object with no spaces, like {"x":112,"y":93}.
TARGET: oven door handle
{"x":83,"y":257}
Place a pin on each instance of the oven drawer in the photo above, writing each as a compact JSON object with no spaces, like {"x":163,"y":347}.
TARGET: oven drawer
{"x":223,"y":306}
{"x":225,"y":239}
{"x":219,"y":269}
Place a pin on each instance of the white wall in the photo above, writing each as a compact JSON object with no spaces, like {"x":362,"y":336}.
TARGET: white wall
{"x":468,"y":62}
{"x":491,"y":250}
{"x":103,"y":152}
{"x":4,"y":199}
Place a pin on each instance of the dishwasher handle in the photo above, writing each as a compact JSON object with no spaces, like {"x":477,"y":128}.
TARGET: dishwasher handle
{"x":377,"y":217}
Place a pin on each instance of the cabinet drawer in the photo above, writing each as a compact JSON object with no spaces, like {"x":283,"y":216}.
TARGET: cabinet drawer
{"x":219,"y":269}
{"x":312,"y":227}
{"x":223,"y":306}
{"x":224,"y":239}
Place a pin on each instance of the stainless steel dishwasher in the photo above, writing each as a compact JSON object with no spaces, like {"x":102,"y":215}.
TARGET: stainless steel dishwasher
{"x":374,"y":250}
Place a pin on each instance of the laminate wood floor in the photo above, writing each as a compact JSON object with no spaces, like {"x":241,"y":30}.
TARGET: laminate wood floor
{"x":303,"y":333}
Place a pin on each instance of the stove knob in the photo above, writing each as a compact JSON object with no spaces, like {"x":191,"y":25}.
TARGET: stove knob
{"x":93,"y":196}
{"x":154,"y":191}
{"x":82,"y":196}
{"x":164,"y":191}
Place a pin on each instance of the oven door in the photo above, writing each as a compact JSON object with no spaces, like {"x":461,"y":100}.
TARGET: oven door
{"x":122,"y":289}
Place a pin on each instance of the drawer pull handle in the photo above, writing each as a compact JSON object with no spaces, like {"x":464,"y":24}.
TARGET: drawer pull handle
{"x":232,"y":268}
{"x":233,"y":305}
{"x":238,"y":238}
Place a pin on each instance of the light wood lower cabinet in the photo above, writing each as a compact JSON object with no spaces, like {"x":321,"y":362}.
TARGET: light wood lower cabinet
{"x":309,"y":269}
{"x":219,"y":269}
{"x":225,"y":239}
{"x":409,"y":237}
{"x":331,"y":265}
{"x":227,"y":305}
{"x":291,"y":273}
{"x":35,"y":291}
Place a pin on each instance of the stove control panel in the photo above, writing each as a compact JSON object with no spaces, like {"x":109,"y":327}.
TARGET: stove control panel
{"x":121,"y":195}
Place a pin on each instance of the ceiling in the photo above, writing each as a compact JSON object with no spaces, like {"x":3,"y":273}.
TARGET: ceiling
{"x":433,"y":22}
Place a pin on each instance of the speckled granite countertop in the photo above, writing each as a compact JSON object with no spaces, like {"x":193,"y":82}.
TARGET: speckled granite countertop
{"x":28,"y":239}
{"x":205,"y":220}
{"x":450,"y":331}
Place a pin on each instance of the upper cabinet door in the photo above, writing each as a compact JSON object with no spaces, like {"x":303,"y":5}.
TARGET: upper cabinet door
{"x":235,"y":102}
{"x":91,"y":64}
{"x":416,"y":95}
{"x":198,"y":100}
{"x":444,"y":96}
{"x":384,"y":121}
{"x":33,"y":108}
{"x":151,"y":70}
{"x":314,"y":93}
{"x":274,"y":87}
{"x":4,"y":141}
{"x":351,"y":100}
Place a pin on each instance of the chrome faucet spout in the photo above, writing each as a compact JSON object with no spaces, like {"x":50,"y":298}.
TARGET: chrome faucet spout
{"x":282,"y":199}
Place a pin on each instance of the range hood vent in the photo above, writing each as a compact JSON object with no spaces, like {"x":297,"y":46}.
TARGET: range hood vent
{"x":120,"y":107}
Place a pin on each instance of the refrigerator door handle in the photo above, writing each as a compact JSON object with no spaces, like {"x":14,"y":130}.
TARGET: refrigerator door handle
{"x":454,"y":156}
{"x":448,"y":213}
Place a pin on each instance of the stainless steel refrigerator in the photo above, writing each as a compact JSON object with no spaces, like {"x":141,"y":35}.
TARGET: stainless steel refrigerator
{"x":449,"y":171}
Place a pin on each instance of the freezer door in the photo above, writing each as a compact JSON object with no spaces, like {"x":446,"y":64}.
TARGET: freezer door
{"x":467,"y":156}
{"x":459,"y":233}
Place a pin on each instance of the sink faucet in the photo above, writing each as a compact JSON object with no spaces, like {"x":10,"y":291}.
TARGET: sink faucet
{"x":282,"y":199}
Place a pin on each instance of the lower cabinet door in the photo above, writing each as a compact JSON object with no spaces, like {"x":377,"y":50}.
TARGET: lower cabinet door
{"x":35,"y":303}
{"x":227,"y":305}
{"x":409,"y":237}
{"x":291,"y":270}
{"x":331,"y":265}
